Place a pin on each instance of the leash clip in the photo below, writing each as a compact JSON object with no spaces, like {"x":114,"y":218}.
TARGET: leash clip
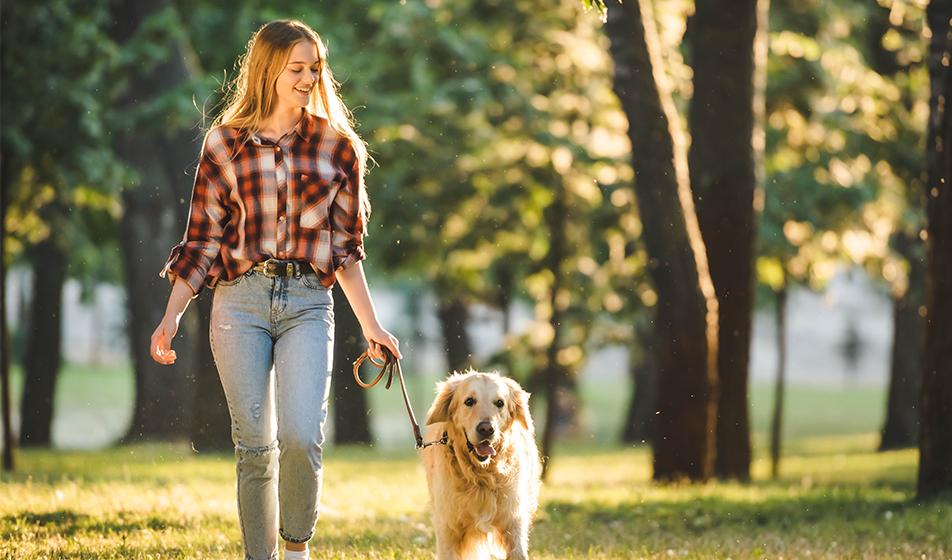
{"x":442,"y":441}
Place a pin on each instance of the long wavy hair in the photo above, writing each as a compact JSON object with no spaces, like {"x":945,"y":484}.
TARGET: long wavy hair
{"x":252,"y":96}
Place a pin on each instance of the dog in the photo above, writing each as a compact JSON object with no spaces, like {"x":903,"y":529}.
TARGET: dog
{"x":484,"y":481}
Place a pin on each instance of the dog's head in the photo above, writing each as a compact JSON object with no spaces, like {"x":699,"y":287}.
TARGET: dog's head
{"x":484,"y":407}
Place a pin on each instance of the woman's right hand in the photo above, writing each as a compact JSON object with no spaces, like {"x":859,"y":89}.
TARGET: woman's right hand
{"x":161,"y":345}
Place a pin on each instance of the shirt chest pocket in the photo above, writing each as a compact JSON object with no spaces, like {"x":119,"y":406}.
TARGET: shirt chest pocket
{"x":316,"y":196}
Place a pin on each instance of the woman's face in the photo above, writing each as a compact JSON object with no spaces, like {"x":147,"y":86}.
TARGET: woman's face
{"x":299,"y":77}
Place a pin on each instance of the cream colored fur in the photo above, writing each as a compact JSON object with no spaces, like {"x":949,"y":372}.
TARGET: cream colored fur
{"x":482,"y":509}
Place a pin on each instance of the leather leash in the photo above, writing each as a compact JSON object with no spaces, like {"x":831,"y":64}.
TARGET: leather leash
{"x":391,"y":365}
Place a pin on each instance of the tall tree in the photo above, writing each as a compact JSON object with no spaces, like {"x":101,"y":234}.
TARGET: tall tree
{"x":210,"y":428}
{"x":686,"y":315}
{"x":894,"y":47}
{"x":639,"y":423}
{"x":453,"y":314}
{"x":935,"y":439}
{"x":156,"y":141}
{"x":555,"y":373}
{"x":349,"y":406}
{"x":7,"y":175}
{"x":44,"y":343}
{"x":901,"y":426}
{"x":55,"y":185}
{"x":6,"y":417}
{"x":723,"y":181}
{"x":780,"y":384}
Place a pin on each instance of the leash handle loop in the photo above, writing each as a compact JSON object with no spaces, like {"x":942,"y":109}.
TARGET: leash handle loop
{"x":390,"y":365}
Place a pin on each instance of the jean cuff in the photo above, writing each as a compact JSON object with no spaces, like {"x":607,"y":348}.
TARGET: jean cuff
{"x":295,"y":540}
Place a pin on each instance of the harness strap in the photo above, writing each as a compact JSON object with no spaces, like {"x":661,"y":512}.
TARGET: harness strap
{"x":388,"y":367}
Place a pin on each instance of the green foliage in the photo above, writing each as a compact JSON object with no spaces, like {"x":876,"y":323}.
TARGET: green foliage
{"x":59,"y":170}
{"x":846,"y":109}
{"x":480,"y":114}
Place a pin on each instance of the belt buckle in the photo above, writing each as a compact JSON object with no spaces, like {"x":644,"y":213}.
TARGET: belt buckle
{"x":269,"y":268}
{"x":273,"y":269}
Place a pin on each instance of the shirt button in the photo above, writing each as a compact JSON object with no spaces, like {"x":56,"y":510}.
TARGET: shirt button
{"x":277,"y":149}
{"x":304,"y":177}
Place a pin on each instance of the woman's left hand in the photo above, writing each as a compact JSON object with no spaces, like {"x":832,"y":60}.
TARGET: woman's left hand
{"x":379,"y":338}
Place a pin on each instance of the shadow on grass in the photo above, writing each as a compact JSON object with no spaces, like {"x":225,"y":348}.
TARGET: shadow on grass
{"x":65,"y":522}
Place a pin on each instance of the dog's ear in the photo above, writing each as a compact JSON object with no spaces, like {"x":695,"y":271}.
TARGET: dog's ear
{"x":440,"y":410}
{"x":519,"y":405}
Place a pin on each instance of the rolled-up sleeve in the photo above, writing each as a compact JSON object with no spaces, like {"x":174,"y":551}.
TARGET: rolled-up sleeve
{"x":191,"y":259}
{"x":349,"y":220}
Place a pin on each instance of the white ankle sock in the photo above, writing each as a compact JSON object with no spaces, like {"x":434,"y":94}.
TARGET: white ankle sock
{"x":295,"y":554}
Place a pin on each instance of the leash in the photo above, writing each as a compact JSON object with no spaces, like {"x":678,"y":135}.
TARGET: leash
{"x":390,"y":365}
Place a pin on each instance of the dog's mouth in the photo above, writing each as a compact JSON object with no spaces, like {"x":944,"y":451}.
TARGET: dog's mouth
{"x":484,"y":450}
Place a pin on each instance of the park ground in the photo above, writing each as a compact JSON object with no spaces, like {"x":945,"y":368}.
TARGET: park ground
{"x":836,"y":497}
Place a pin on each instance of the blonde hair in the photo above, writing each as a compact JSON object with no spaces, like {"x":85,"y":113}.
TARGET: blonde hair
{"x":252,"y":96}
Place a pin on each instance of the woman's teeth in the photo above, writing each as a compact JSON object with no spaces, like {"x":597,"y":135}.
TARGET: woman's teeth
{"x":304,"y":91}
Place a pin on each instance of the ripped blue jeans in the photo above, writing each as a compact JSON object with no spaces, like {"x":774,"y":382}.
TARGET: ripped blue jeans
{"x":273,"y":342}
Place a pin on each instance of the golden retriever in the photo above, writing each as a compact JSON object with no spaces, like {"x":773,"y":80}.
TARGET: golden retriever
{"x":484,"y":482}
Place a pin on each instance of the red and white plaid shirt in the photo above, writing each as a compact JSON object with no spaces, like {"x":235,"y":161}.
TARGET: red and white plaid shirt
{"x":253,"y":199}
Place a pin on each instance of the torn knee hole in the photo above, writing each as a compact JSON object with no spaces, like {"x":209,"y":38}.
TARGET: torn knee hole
{"x":256,"y":451}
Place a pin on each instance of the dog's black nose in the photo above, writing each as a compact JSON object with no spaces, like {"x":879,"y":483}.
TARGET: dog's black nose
{"x":485,"y":429}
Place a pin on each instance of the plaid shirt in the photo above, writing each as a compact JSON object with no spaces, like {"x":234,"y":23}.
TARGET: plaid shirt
{"x":253,"y":199}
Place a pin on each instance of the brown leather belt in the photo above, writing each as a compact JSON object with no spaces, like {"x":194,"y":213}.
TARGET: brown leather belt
{"x":276,"y":268}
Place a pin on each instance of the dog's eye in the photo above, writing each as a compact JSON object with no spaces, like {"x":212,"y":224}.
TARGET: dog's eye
{"x":470,"y":401}
{"x":499,"y":403}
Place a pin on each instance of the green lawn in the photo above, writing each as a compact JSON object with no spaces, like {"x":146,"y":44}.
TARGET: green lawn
{"x":163,"y":501}
{"x":837,"y":498}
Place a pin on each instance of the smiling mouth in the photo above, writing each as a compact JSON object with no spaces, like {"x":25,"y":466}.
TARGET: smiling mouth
{"x":303,"y":91}
{"x":484,"y":451}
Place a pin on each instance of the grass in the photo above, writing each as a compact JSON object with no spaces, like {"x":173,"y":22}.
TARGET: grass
{"x":836,"y":498}
{"x":163,"y":501}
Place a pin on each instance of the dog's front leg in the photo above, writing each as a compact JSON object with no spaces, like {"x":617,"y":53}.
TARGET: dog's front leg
{"x":517,"y":537}
{"x":447,"y":543}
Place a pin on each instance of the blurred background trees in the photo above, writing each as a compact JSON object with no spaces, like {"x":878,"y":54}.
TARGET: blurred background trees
{"x":569,"y":178}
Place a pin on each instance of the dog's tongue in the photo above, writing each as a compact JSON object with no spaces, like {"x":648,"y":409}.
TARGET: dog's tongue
{"x":485,"y":450}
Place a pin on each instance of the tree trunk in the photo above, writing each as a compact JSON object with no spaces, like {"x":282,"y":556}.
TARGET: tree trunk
{"x":453,"y":316}
{"x":640,"y":422}
{"x":44,"y":347}
{"x":901,"y":428}
{"x":164,"y":156}
{"x":7,"y":175}
{"x":723,"y":181}
{"x":351,"y":417}
{"x":416,"y":339}
{"x":776,"y":421}
{"x":935,"y":436}
{"x":687,"y":309}
{"x":505,"y":277}
{"x":555,"y":373}
{"x":211,"y":422}
{"x":8,"y":463}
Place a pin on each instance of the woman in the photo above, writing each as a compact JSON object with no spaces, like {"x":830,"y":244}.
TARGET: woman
{"x":278,"y":214}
